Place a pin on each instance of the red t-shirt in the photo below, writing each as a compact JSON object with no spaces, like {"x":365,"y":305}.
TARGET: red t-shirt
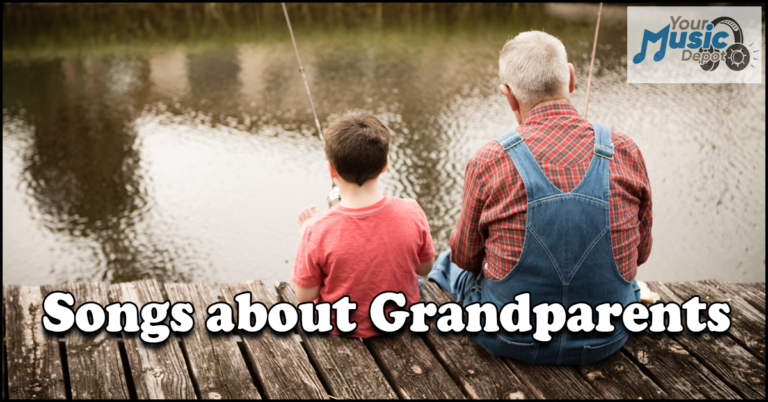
{"x":361,"y":252}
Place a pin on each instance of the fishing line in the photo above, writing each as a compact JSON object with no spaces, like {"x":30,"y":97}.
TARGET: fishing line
{"x":592,"y":63}
{"x":334,"y":196}
{"x":301,"y":69}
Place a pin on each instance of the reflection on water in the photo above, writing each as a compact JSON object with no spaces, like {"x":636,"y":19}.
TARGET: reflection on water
{"x":181,"y":148}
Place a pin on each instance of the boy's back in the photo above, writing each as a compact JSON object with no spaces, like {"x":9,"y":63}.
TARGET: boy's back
{"x":362,"y":252}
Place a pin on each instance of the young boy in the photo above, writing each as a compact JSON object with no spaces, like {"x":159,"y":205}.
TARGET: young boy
{"x":369,"y":243}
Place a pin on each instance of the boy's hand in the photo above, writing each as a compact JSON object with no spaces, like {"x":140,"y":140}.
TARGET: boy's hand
{"x":305,"y":215}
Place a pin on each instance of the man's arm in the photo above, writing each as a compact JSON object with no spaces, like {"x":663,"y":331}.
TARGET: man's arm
{"x":645,"y":215}
{"x":467,"y":248}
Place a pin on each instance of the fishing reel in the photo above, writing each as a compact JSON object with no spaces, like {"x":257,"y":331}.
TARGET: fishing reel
{"x":334,"y":196}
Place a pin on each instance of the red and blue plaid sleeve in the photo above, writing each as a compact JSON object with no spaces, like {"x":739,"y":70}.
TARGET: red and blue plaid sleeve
{"x":467,"y":248}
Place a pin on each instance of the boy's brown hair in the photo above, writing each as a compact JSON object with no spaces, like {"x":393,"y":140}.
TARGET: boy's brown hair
{"x":357,"y":144}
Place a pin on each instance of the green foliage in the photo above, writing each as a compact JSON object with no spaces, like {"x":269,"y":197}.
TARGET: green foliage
{"x":56,"y":30}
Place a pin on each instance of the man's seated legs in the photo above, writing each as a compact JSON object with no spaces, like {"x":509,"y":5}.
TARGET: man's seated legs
{"x":449,"y":276}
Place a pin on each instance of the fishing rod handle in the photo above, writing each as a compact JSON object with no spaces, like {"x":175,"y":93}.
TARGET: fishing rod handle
{"x":334,"y":196}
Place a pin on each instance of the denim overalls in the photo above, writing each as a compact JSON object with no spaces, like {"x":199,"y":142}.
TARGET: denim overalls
{"x":567,"y":258}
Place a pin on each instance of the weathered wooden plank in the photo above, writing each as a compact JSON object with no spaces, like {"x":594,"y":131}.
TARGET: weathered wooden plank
{"x":34,"y":362}
{"x":94,"y":364}
{"x":747,"y":324}
{"x":727,"y":289}
{"x":758,"y":290}
{"x":674,"y":369}
{"x":217,"y":366}
{"x":281,"y":364}
{"x":480,"y":374}
{"x":617,"y":377}
{"x":412,"y":370}
{"x":345,"y":364}
{"x":553,"y":382}
{"x":720,"y":353}
{"x":746,"y":292}
{"x":734,"y":290}
{"x":5,"y":364}
{"x":757,"y":287}
{"x":159,"y":370}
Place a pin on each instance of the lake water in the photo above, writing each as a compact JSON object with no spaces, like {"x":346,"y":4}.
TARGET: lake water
{"x":176,"y":141}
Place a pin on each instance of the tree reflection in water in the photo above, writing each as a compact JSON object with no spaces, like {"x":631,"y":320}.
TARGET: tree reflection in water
{"x":83,"y":166}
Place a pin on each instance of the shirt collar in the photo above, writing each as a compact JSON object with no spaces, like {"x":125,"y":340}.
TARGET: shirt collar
{"x":371,"y":209}
{"x":549,"y":110}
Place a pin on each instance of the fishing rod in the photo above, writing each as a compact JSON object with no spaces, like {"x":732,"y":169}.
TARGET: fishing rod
{"x":334,"y":196}
{"x":592,"y":63}
{"x":646,"y":295}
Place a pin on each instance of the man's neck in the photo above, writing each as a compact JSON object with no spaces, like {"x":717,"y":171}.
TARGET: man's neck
{"x":354,"y":196}
{"x":524,"y":109}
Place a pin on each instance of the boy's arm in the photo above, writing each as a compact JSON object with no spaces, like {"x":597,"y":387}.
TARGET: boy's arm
{"x":425,"y":267}
{"x":306,"y":269}
{"x":307,"y":295}
{"x":427,"y":250}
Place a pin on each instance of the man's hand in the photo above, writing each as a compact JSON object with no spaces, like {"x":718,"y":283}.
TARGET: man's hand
{"x":305,"y":215}
{"x":646,"y":295}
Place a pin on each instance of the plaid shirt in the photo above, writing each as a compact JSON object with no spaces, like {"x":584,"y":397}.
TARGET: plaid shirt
{"x":491,"y":228}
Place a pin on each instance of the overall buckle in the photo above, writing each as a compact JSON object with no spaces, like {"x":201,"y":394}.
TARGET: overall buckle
{"x":603,"y":152}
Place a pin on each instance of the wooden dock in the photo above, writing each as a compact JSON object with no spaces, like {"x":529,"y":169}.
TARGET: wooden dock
{"x":266,"y":365}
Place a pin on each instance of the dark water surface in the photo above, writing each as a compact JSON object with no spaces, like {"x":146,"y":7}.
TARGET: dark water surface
{"x":176,"y":141}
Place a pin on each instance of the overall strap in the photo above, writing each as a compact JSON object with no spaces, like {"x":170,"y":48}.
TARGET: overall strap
{"x":596,"y":182}
{"x":537,"y":185}
{"x":603,"y":144}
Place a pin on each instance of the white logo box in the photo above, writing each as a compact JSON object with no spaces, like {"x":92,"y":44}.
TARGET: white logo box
{"x":721,"y":28}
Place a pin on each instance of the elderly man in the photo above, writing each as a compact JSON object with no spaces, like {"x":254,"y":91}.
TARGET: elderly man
{"x":559,"y":209}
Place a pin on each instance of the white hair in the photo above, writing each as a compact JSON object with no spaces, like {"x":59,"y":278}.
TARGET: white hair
{"x":534,"y":66}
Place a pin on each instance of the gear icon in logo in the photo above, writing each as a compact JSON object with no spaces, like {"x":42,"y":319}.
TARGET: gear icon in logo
{"x":737,"y":57}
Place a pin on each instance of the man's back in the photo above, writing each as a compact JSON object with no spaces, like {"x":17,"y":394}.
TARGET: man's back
{"x":491,"y":231}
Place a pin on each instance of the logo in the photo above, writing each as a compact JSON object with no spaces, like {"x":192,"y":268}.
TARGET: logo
{"x":689,"y":44}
